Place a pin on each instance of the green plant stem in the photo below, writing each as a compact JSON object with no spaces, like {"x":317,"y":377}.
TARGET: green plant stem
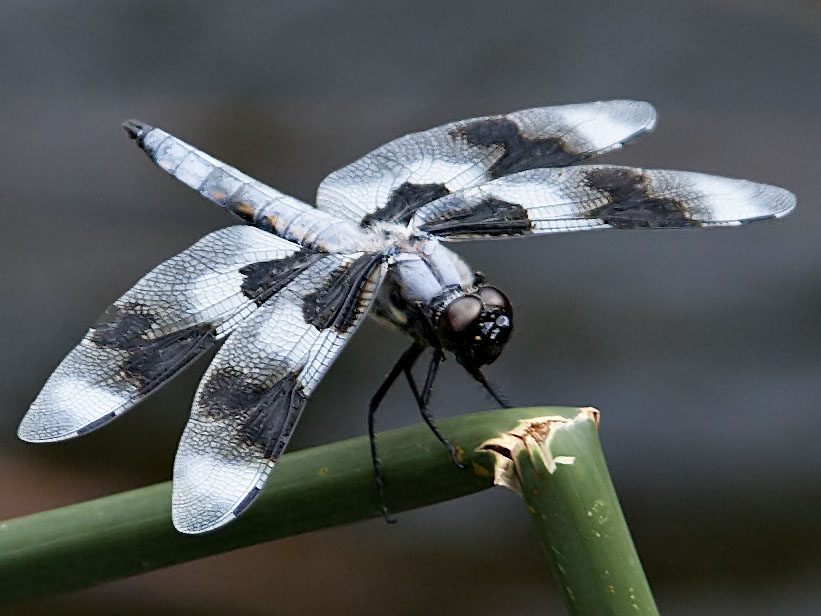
{"x":558,"y":467}
{"x":128,"y":533}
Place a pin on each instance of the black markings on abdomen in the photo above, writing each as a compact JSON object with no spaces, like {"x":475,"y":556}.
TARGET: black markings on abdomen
{"x":631,"y":204}
{"x":337,"y":303}
{"x":520,"y":152}
{"x":404,"y":201}
{"x":489,"y":217}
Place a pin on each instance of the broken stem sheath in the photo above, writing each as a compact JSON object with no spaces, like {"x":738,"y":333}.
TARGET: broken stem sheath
{"x":556,"y":464}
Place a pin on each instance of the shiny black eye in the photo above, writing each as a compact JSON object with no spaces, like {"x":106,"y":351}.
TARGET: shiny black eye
{"x":476,"y":327}
{"x":493,"y":298}
{"x":459,"y":316}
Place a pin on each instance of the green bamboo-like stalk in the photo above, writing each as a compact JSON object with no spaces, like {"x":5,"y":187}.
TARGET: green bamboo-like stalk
{"x":558,"y":467}
{"x":550,"y":455}
{"x":128,"y":533}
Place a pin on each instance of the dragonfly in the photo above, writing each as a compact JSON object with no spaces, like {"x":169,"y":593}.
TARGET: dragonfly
{"x":287,"y":289}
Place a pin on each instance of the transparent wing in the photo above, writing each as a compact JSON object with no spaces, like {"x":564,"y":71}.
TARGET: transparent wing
{"x":254,"y":202}
{"x":176,"y":312}
{"x":393,"y":181}
{"x":599,"y":197}
{"x":253,"y":393}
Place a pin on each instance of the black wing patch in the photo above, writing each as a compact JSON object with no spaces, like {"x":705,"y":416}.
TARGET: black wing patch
{"x":520,"y":152}
{"x":336,"y":304}
{"x":149,"y":361}
{"x":267,"y":414}
{"x":153,"y":362}
{"x":488,"y":217}
{"x":266,"y":278}
{"x":404,"y":201}
{"x":121,"y":324}
{"x":631,"y":203}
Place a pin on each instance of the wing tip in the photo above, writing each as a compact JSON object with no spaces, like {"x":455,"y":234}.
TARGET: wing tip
{"x":39,"y":426}
{"x":645,"y":114}
{"x":633,"y":118}
{"x":652,"y":115}
{"x":36,"y":434}
{"x":190,"y":519}
{"x":769,"y":200}
{"x":192,"y":526}
{"x":199,"y":525}
{"x":784,"y":200}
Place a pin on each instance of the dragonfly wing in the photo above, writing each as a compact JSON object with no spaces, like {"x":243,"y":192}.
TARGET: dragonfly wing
{"x":599,"y":197}
{"x":171,"y":316}
{"x":393,"y":181}
{"x":252,"y":395}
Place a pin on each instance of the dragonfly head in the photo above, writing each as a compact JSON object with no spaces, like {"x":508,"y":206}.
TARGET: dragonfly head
{"x":476,"y":327}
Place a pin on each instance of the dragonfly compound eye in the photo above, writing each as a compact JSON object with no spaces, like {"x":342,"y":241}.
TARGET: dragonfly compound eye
{"x":476,"y":327}
{"x":459,"y":317}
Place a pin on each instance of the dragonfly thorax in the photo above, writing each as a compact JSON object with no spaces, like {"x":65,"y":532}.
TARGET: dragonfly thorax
{"x":433,"y":296}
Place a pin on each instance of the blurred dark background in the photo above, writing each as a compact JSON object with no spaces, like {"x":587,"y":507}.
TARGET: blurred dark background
{"x":702,"y":349}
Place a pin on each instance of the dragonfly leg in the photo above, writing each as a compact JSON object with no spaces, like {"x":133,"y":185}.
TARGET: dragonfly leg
{"x":477,"y":374}
{"x":404,"y":363}
{"x":423,"y":398}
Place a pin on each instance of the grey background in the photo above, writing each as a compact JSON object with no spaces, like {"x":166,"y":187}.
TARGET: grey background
{"x":702,"y":349}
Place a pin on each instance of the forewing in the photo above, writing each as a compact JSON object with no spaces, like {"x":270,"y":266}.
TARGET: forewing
{"x":176,"y":312}
{"x":599,"y":197}
{"x":253,"y":393}
{"x":393,"y":181}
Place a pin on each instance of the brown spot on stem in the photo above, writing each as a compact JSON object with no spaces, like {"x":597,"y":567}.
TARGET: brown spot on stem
{"x":480,"y":471}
